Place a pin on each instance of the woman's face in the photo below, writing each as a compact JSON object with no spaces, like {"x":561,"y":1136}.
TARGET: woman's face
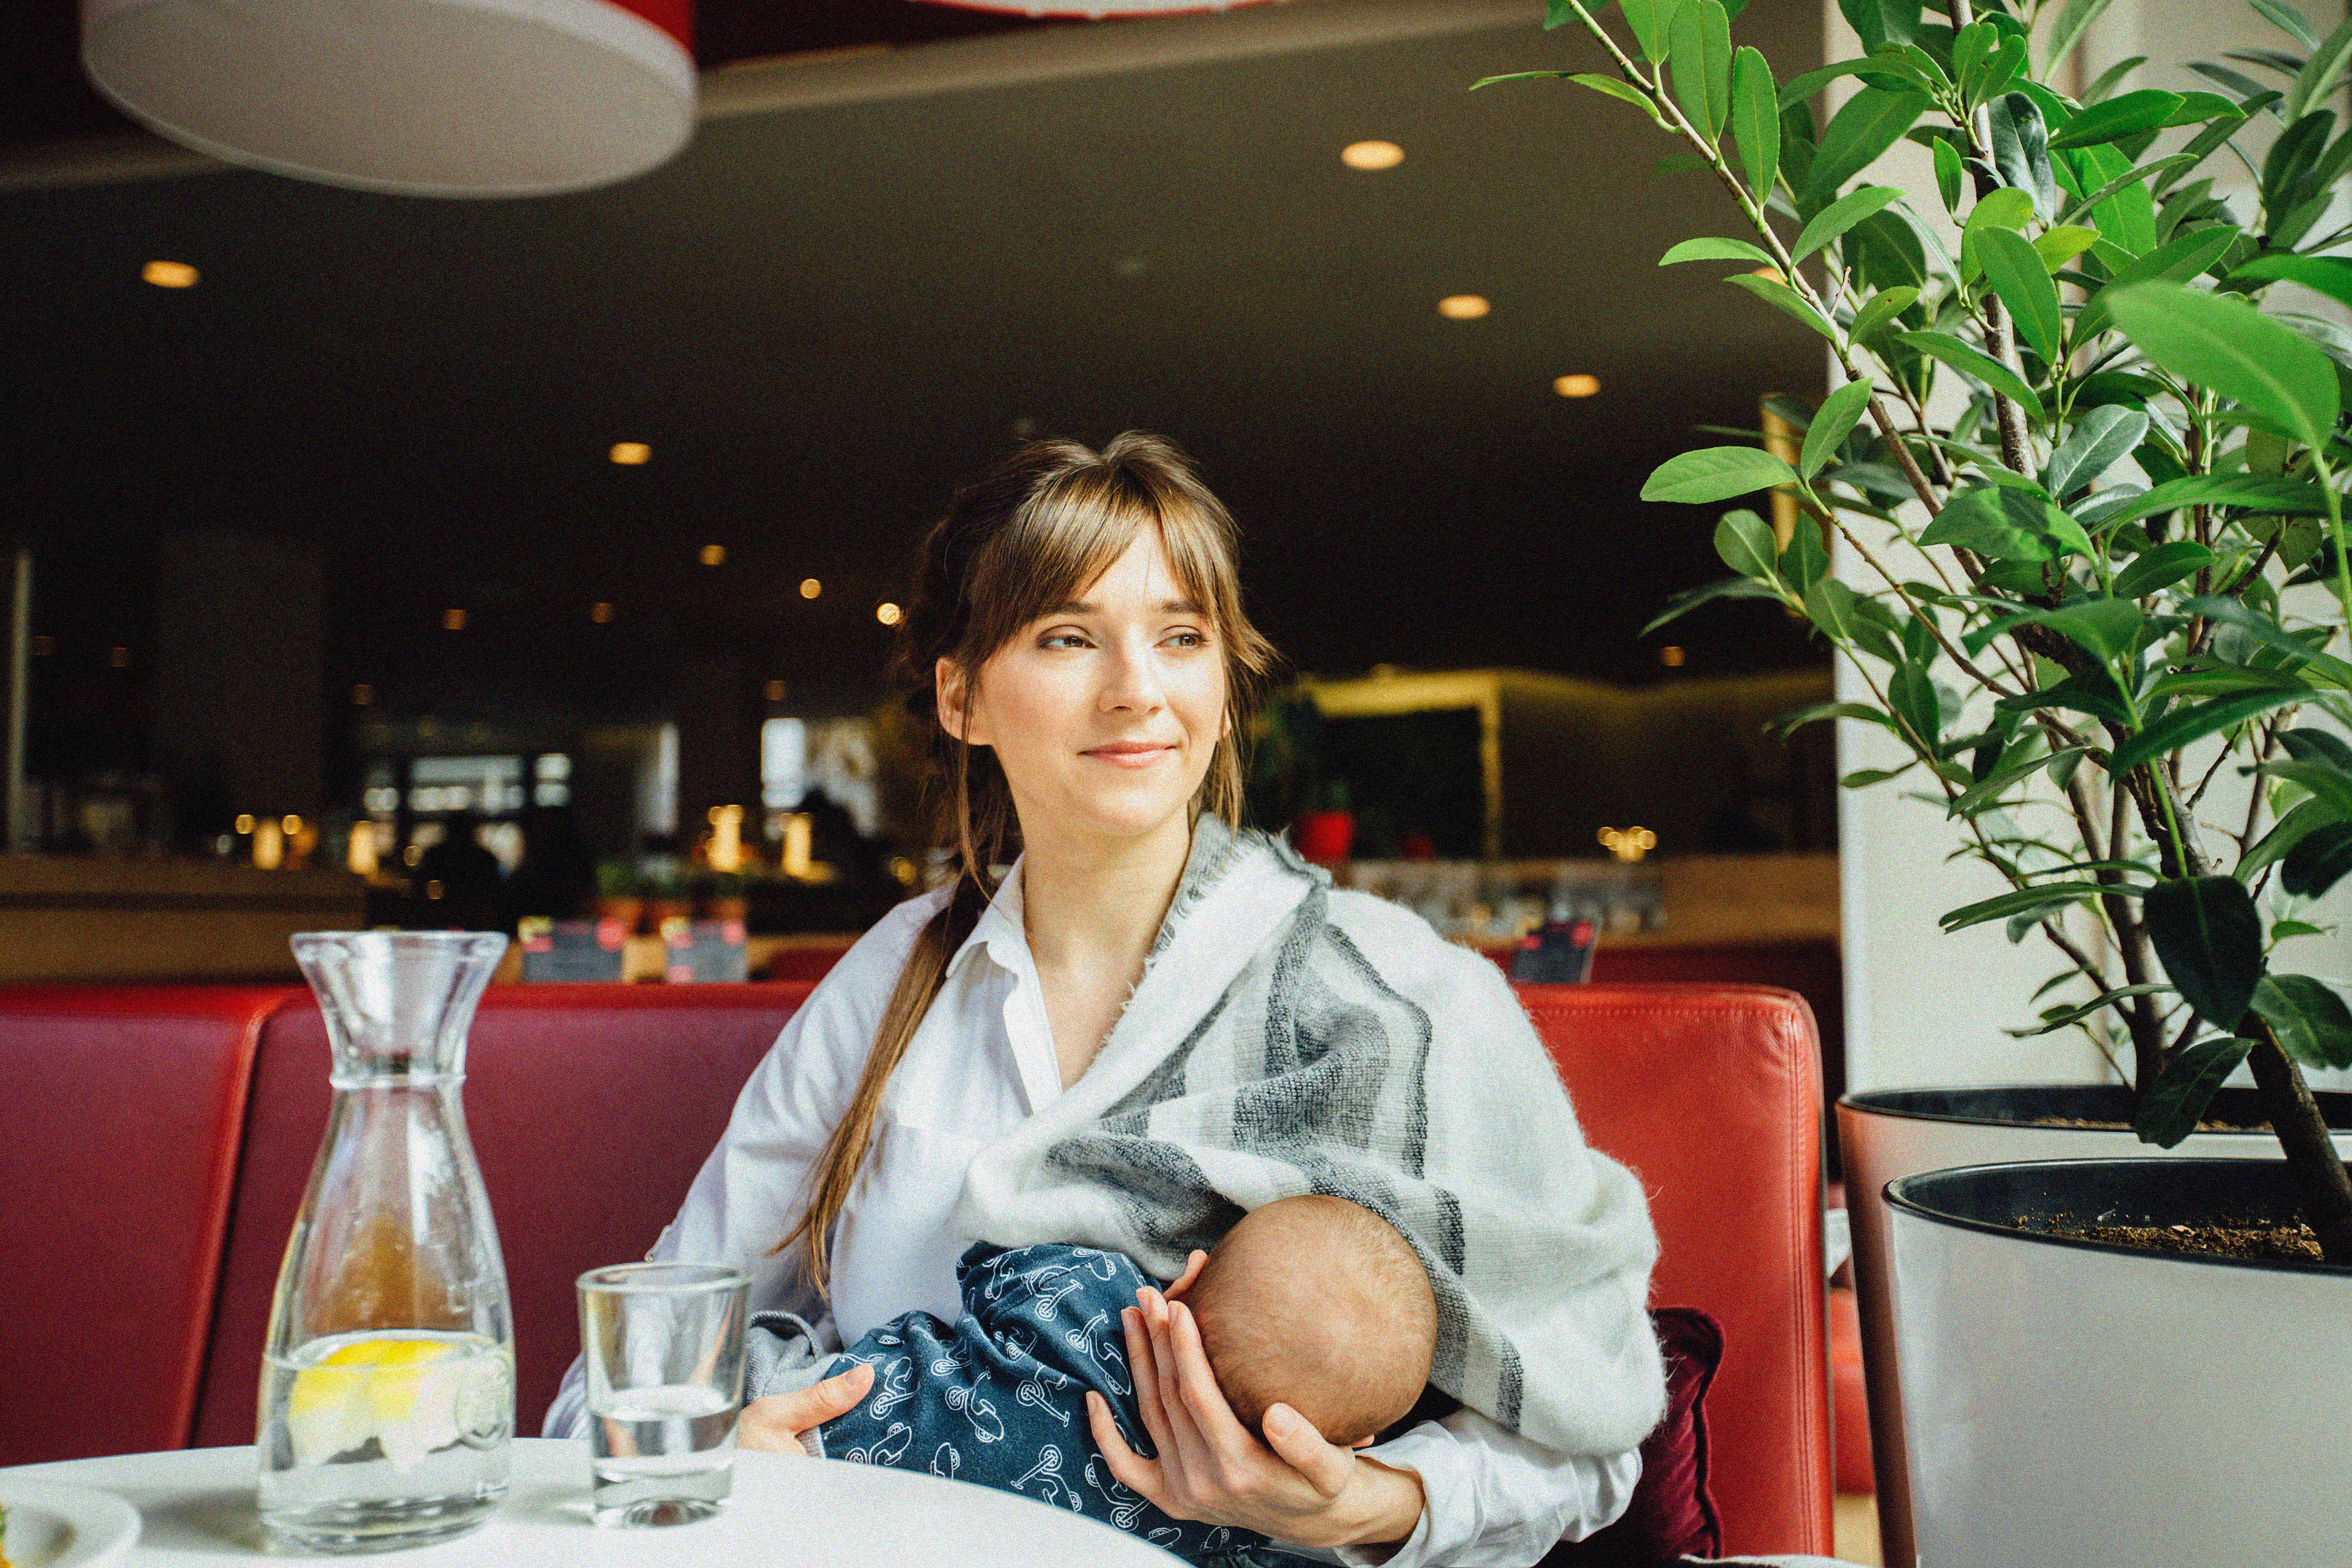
{"x":1104,"y":711}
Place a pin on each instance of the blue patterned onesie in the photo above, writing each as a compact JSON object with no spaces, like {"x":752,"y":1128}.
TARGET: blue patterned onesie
{"x":999,"y":1397}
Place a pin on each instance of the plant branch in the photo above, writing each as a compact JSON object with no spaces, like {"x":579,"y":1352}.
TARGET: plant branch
{"x":2324,"y":1185}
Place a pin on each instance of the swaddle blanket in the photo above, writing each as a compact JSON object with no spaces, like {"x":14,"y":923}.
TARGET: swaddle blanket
{"x":998,"y":1397}
{"x":1288,"y":1038}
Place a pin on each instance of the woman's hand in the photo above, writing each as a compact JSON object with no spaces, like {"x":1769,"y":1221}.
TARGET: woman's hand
{"x":1210,"y":1467}
{"x":777,"y":1422}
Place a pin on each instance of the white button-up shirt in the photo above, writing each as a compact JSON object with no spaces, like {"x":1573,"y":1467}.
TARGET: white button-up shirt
{"x":981,"y":1064}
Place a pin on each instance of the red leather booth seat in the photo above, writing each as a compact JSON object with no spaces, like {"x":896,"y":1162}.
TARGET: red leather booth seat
{"x":143,"y":1293}
{"x":121,"y":1109}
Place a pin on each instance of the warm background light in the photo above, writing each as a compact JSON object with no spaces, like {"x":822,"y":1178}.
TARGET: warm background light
{"x":1672,"y":657}
{"x":453,"y":620}
{"x":118,"y":658}
{"x":1577,"y":385}
{"x":1462,"y":306}
{"x":887,"y":614}
{"x":810,"y":588}
{"x":1372,"y":154}
{"x":775,"y":692}
{"x":169,"y":274}
{"x":714,"y":554}
{"x":600,"y":612}
{"x":245,"y":822}
{"x":632,"y":452}
{"x":363,"y":694}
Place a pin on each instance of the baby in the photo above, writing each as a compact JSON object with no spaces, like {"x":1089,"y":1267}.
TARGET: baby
{"x":1311,"y":1302}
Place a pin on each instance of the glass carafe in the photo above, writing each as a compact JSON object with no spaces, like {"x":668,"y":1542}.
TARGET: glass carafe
{"x":387,"y":1386}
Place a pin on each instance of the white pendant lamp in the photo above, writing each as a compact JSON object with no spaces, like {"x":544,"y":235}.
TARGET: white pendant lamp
{"x":448,"y":98}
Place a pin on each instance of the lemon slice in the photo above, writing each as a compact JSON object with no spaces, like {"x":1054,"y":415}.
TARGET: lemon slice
{"x":403,"y":1392}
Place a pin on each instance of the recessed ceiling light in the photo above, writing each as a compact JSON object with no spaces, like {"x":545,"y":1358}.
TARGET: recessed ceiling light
{"x":810,"y":588}
{"x":453,"y":620}
{"x":887,"y":614}
{"x":169,"y":274}
{"x":1672,"y":657}
{"x":632,"y":452}
{"x":600,"y":612}
{"x":1462,"y":306}
{"x":1372,"y":154}
{"x":714,"y":554}
{"x":775,"y":692}
{"x":1576,"y":385}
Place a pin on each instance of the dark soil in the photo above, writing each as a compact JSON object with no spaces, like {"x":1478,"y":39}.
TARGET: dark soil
{"x":2265,"y":1240}
{"x":2126,"y":1126}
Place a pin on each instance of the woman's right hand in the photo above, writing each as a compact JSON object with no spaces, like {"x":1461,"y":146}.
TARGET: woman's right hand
{"x":777,"y":1422}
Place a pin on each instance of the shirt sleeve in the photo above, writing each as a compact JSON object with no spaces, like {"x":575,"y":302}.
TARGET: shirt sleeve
{"x":749,"y":1193}
{"x":1494,"y":1499}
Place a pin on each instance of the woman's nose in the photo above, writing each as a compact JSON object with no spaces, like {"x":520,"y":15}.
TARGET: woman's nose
{"x":1131,"y":681}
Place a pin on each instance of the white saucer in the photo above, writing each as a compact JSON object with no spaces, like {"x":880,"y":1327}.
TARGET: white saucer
{"x":53,"y":1525}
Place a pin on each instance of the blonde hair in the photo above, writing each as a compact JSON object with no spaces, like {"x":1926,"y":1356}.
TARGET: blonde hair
{"x":1027,"y":535}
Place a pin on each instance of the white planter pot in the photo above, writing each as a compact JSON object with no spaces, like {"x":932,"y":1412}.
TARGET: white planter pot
{"x":1887,"y":1134}
{"x":2075,"y":1405}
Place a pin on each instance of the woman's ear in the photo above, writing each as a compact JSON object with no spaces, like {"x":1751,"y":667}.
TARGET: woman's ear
{"x":957,"y":714}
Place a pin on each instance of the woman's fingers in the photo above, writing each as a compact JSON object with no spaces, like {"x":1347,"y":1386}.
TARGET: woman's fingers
{"x":1128,"y":1467}
{"x":777,"y":1422}
{"x":1326,"y":1466}
{"x":1197,"y":1385}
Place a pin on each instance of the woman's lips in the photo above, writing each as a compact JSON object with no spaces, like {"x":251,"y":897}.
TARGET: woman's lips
{"x":1129,"y":754}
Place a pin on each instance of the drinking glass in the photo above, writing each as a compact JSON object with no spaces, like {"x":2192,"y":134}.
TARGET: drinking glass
{"x":663,"y":1347}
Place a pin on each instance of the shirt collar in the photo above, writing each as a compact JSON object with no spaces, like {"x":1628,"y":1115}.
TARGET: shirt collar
{"x":1001,"y":931}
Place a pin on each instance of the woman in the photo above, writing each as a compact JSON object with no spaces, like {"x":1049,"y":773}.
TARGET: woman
{"x":1154,"y":1024}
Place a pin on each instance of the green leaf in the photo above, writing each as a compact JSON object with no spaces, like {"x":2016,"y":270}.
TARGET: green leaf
{"x":1805,"y":561}
{"x":2303,"y":820}
{"x":2006,"y":524}
{"x":2020,"y":151}
{"x":2105,"y":628}
{"x":1744,"y":542}
{"x":1949,"y":175}
{"x":1700,"y":36}
{"x":2219,"y":340}
{"x":1871,"y":122}
{"x":2004,"y":208}
{"x":1717,"y":250}
{"x":2318,"y":78}
{"x":2270,"y":634}
{"x":2105,"y":436}
{"x":1689,"y":599}
{"x":2093,"y":691}
{"x":1649,"y":20}
{"x":1755,"y":119}
{"x":1609,"y":87}
{"x":1912,"y":694}
{"x":2307,"y":744}
{"x":2059,"y":246}
{"x":2281,"y":930}
{"x":2161,"y":567}
{"x":2288,"y":20}
{"x":1829,"y":605}
{"x":1881,"y":308}
{"x":2058,"y":1018}
{"x":1863,"y":778}
{"x":1839,"y":413}
{"x":1977,"y":365}
{"x":1780,"y":297}
{"x":2208,"y":938}
{"x":2318,"y":860}
{"x":2119,"y":116}
{"x":1840,"y":216}
{"x":2194,"y":722}
{"x":2170,"y":1107}
{"x":2015,"y":271}
{"x":2248,"y":492}
{"x":2045,"y":899}
{"x":2310,"y":1020}
{"x":1795,"y":719}
{"x":2329,"y":275}
{"x":1716,"y":473}
{"x":2111,"y":78}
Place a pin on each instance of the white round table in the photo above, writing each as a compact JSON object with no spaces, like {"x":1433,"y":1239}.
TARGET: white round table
{"x":196,"y":1509}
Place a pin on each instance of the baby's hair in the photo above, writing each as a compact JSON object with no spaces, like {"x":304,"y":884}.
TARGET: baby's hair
{"x":1319,"y":1304}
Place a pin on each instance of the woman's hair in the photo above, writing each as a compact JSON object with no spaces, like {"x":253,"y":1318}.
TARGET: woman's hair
{"x":1027,"y":535}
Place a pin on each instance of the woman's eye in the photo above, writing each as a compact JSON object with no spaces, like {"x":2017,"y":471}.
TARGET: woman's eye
{"x":1061,"y":639}
{"x":1188,"y":639}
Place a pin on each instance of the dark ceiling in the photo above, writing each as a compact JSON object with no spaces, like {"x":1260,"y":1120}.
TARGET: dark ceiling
{"x":821,"y":318}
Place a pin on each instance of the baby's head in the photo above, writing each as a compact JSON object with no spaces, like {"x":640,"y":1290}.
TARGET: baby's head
{"x":1316,"y":1303}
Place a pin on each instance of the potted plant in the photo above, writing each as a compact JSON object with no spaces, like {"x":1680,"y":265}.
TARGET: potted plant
{"x":620,"y":895}
{"x":2093,"y":589}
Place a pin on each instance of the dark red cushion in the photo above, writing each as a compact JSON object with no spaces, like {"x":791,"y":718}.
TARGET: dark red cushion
{"x":1673,"y":1514}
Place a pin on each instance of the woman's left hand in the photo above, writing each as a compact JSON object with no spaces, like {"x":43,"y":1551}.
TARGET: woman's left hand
{"x":1300,"y":1490}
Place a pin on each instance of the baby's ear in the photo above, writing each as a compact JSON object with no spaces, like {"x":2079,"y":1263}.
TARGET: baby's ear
{"x":1366,"y":1441}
